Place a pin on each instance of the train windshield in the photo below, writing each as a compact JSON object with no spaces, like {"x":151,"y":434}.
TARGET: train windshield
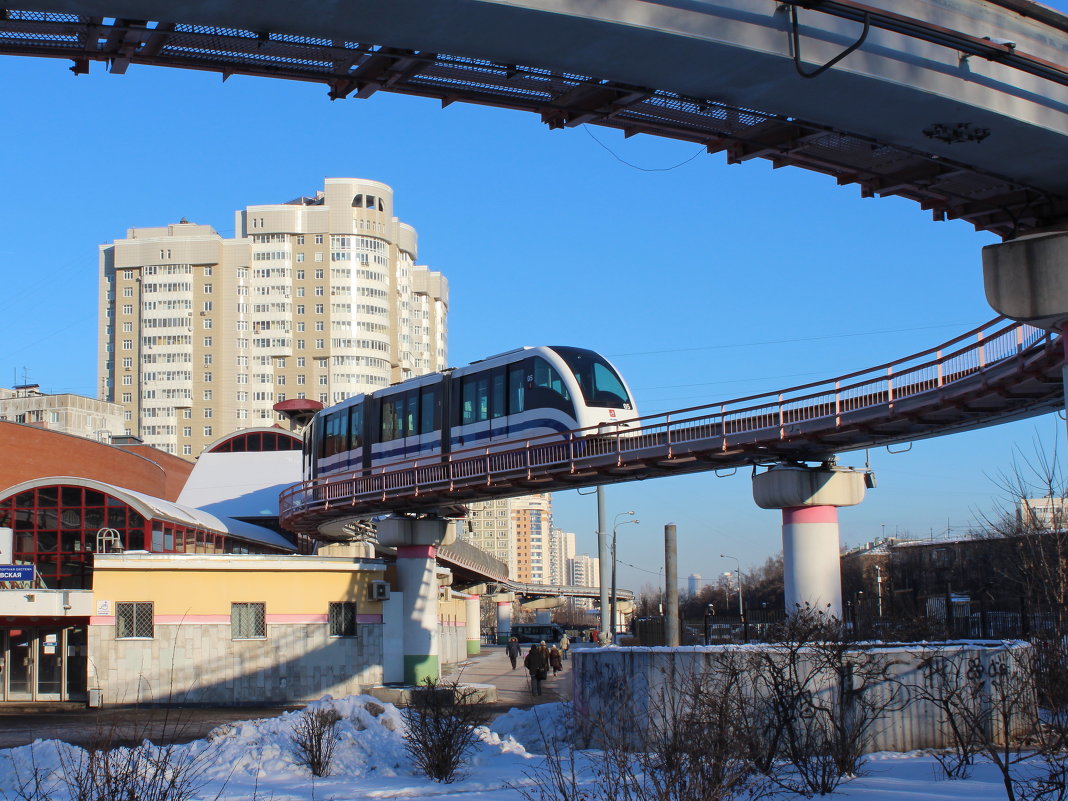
{"x":601,"y":385}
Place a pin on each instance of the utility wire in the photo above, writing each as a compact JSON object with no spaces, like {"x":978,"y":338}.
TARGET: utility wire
{"x":784,"y":341}
{"x":618,"y":158}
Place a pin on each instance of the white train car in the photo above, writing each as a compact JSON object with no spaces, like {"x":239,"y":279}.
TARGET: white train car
{"x":524,"y":393}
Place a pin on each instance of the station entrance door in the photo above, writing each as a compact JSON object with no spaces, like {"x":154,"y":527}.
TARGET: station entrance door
{"x":42,"y":663}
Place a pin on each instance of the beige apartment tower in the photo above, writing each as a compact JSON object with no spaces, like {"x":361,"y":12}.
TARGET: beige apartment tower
{"x":316,"y":298}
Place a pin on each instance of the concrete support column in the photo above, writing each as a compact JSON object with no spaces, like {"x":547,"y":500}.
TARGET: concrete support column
{"x":473,"y":610}
{"x":416,"y":542}
{"x":808,"y":498}
{"x":810,"y":553}
{"x":1026,"y":280}
{"x":504,"y":616}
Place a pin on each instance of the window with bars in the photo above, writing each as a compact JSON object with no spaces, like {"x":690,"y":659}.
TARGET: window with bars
{"x":248,"y":620}
{"x":343,"y":619}
{"x":133,"y":619}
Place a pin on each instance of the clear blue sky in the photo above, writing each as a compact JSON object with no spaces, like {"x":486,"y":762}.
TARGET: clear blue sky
{"x":701,"y":281}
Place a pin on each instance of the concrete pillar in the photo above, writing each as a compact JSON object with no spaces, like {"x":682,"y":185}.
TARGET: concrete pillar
{"x":671,"y":587}
{"x":473,"y":610}
{"x":416,"y":541}
{"x":808,"y":498}
{"x":1026,"y":280}
{"x":504,"y":616}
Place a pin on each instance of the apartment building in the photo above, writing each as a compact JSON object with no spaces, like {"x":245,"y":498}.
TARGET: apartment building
{"x":319,"y":297}
{"x":516,"y":531}
{"x":65,"y":412}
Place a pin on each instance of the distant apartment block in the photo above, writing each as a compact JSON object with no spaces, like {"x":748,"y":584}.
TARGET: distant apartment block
{"x":516,"y":531}
{"x":319,"y":298}
{"x":561,"y":551}
{"x":65,"y":413}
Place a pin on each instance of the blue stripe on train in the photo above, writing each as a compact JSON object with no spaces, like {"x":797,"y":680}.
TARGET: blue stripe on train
{"x":472,"y":439}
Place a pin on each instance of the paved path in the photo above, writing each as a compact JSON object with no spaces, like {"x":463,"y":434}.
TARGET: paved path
{"x":513,"y":686}
{"x":22,"y":724}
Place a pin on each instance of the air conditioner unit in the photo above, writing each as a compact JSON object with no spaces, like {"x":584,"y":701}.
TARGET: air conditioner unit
{"x":379,"y":590}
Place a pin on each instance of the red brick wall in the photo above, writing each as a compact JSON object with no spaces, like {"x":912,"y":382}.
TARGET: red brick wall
{"x":29,"y":452}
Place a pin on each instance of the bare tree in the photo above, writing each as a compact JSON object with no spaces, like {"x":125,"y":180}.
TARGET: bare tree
{"x":442,"y":718}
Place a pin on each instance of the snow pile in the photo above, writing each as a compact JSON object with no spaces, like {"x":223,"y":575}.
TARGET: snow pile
{"x":258,"y":759}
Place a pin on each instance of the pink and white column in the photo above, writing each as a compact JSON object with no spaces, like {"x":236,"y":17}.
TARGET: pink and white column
{"x":809,"y":498}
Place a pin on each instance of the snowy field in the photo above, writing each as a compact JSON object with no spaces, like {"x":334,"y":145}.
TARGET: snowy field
{"x":256,"y":760}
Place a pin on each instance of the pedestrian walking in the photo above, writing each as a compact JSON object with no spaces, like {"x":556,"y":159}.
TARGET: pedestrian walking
{"x":537,"y":664}
{"x":513,"y":650}
{"x":554,"y":660}
{"x":565,"y":644}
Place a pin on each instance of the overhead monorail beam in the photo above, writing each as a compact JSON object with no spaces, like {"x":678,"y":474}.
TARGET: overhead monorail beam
{"x":1001,"y":52}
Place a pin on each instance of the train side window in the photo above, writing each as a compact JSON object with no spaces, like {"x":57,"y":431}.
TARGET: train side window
{"x":483,"y":398}
{"x":468,"y":414}
{"x":516,"y":388}
{"x":392,"y":418}
{"x":497,"y":393}
{"x":333,"y":440}
{"x":356,"y":426}
{"x":411,"y":413}
{"x":548,"y":389}
{"x":429,"y":410}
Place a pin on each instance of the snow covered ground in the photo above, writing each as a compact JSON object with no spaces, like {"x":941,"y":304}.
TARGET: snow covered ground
{"x":255,"y":759}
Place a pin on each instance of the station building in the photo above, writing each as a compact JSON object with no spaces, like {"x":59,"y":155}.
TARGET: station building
{"x":184,"y":589}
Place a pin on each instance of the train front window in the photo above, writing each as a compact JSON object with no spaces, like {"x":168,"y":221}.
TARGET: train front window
{"x":601,"y":385}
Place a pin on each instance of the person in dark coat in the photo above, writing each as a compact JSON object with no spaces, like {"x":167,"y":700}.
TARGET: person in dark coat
{"x":555,"y":661}
{"x":537,"y":664}
{"x":513,"y":650}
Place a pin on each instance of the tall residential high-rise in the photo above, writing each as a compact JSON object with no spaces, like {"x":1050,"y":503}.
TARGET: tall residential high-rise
{"x":516,"y":531}
{"x":561,"y":552}
{"x":319,"y":298}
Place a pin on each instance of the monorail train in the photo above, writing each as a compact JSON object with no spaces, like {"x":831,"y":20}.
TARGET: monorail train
{"x":524,"y":393}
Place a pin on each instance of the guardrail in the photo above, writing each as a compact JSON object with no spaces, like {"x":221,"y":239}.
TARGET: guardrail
{"x":775,"y":415}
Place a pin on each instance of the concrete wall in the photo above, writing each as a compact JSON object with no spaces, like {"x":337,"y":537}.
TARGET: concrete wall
{"x":200,"y":663}
{"x":192,"y":654}
{"x":628,"y":687}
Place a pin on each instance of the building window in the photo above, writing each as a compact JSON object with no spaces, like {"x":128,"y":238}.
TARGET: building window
{"x":207,"y":289}
{"x":318,"y":272}
{"x":248,"y":621}
{"x":300,"y":239}
{"x":300,"y":258}
{"x":187,"y":450}
{"x":128,"y":275}
{"x":127,"y":309}
{"x":343,"y":619}
{"x":127,"y":344}
{"x":133,"y":620}
{"x":207,"y":431}
{"x":207,"y":342}
{"x":127,"y":292}
{"x":318,"y":239}
{"x":318,"y":306}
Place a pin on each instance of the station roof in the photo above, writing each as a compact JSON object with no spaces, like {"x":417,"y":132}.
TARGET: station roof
{"x":153,"y":508}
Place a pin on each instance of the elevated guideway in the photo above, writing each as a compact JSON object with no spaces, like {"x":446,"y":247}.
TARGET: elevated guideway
{"x":959,"y":105}
{"x":999,"y":372}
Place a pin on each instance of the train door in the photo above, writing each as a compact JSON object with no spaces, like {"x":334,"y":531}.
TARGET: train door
{"x":475,"y":424}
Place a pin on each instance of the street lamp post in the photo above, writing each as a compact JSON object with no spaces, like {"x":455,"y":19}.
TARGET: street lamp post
{"x":615,"y":525}
{"x":741,"y":603}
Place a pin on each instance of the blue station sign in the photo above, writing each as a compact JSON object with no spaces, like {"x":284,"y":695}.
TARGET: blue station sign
{"x":16,"y":572}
